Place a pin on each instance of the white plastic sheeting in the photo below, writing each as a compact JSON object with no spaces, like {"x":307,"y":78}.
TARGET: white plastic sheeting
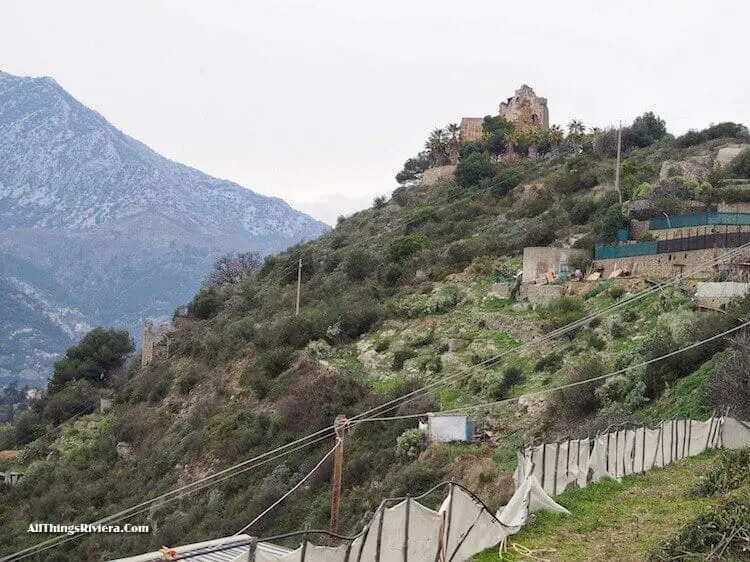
{"x":626,"y":450}
{"x":409,"y":531}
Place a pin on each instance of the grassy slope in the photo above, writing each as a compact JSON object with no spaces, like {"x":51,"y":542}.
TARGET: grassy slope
{"x":616,"y":520}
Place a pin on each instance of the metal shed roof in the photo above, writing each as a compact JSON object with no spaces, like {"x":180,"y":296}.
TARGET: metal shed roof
{"x":236,"y":554}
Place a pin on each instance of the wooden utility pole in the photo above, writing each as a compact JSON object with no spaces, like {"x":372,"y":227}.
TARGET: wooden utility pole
{"x":339,"y":426}
{"x":299,"y":285}
{"x":617,"y":169}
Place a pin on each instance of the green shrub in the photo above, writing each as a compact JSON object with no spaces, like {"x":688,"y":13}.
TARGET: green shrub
{"x":731,"y":471}
{"x":394,"y":275}
{"x":186,"y":383}
{"x":382,"y":346}
{"x":576,"y":177}
{"x":234,"y":432}
{"x":257,"y":381}
{"x":728,"y":386}
{"x":740,"y":164}
{"x":420,"y":216}
{"x":380,"y":201}
{"x":532,"y":205}
{"x":211,"y":346}
{"x":360,"y":315}
{"x":474,"y":168}
{"x":550,"y":362}
{"x":562,"y":312}
{"x":316,"y":399}
{"x":28,"y":426}
{"x":76,"y":398}
{"x":205,"y":304}
{"x":410,"y":444}
{"x":405,"y":246}
{"x":583,"y":209}
{"x":462,"y":252}
{"x":595,"y":342}
{"x":497,"y":388}
{"x":297,"y":331}
{"x":616,"y":292}
{"x":401,"y":196}
{"x":577,"y":402}
{"x":400,"y":356}
{"x":505,"y":180}
{"x":718,"y":131}
{"x":273,"y":362}
{"x":359,"y":264}
{"x":94,"y":358}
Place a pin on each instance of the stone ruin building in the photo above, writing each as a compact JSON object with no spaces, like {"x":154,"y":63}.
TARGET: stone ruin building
{"x":525,"y":109}
{"x":155,"y":343}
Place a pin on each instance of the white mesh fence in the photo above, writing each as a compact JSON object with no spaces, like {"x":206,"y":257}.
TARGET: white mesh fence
{"x":626,"y":450}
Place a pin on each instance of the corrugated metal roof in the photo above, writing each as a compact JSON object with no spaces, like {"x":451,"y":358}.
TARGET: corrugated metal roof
{"x":237,"y":554}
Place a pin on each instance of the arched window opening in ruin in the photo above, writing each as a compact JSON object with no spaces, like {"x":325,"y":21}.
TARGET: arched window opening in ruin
{"x":534,"y":119}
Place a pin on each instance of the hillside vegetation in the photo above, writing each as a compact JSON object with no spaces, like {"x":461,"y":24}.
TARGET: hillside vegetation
{"x":394,"y":297}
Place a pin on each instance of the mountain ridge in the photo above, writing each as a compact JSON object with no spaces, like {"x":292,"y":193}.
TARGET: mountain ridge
{"x":106,"y":216}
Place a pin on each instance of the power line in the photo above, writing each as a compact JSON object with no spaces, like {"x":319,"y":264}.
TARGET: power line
{"x":289,"y":493}
{"x":196,"y":486}
{"x":388,"y":406}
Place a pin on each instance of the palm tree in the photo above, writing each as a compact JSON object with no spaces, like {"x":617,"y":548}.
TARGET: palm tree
{"x":556,"y":135}
{"x":453,"y":146}
{"x":576,"y":129}
{"x":511,"y":140}
{"x":436,"y":145}
{"x":534,"y":138}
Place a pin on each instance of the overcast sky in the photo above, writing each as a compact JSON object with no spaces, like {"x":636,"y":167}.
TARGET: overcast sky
{"x":320,"y":102}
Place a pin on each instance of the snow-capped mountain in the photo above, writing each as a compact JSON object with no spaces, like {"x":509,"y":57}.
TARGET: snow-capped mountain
{"x":97,"y":228}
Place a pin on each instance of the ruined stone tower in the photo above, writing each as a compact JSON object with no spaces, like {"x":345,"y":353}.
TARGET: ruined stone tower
{"x":526,"y":110}
{"x":147,"y":353}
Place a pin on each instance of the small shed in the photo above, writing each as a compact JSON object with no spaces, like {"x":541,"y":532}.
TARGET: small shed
{"x":444,"y":428}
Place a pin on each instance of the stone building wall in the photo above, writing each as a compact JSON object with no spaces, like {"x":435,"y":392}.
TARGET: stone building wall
{"x":526,"y":110}
{"x":693,"y":231}
{"x":664,"y":266}
{"x":471,"y":129}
